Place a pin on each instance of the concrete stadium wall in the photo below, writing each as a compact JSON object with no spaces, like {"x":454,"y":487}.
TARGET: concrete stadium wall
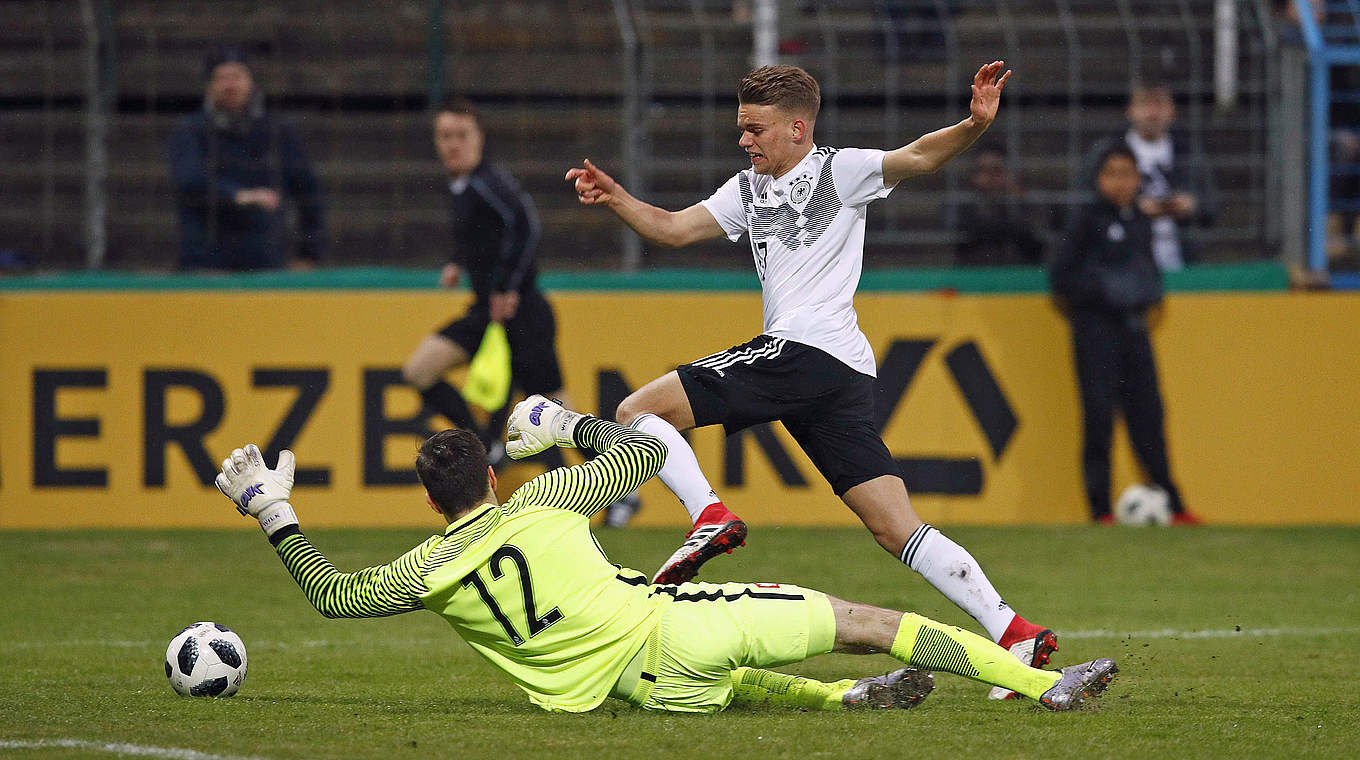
{"x":120,"y":404}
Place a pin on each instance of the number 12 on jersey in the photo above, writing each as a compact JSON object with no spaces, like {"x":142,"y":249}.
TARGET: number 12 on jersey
{"x":534,"y":623}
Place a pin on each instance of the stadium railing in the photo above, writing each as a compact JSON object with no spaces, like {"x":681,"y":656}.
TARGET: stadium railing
{"x":1333,"y":46}
{"x":357,"y":78}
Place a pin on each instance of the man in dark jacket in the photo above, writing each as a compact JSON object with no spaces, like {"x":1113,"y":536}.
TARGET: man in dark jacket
{"x":232,"y":163}
{"x":995,"y":223}
{"x":1105,"y":279}
{"x":1177,"y":192}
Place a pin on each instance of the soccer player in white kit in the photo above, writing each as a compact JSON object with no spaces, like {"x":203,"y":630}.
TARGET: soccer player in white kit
{"x":803,"y":208}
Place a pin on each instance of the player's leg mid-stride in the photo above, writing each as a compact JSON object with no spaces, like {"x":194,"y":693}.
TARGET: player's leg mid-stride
{"x":930,"y":645}
{"x":662,"y":408}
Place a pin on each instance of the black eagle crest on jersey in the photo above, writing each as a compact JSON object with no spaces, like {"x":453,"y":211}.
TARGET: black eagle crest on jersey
{"x":792,"y":228}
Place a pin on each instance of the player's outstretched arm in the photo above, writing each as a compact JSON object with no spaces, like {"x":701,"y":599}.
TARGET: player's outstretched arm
{"x":929,"y":152}
{"x":628,"y":458}
{"x":262,"y":493}
{"x":670,"y":228}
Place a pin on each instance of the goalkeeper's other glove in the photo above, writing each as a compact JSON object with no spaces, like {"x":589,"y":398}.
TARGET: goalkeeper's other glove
{"x":538,"y":424}
{"x":257,"y":490}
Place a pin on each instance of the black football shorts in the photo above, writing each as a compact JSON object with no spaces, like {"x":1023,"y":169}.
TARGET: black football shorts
{"x":825,"y":405}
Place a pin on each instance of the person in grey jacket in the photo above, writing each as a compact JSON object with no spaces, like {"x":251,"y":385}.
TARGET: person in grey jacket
{"x":1105,"y":279}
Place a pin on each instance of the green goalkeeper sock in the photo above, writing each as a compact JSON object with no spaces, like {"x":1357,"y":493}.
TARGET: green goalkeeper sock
{"x":935,"y":646}
{"x":752,"y":686}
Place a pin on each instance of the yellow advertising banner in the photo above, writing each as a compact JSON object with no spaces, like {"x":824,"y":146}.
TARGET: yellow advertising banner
{"x":120,"y":405}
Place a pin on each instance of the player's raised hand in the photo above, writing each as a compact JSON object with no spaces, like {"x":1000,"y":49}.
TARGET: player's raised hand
{"x":257,"y":490}
{"x":537,"y":424}
{"x":987,"y":84}
{"x":591,"y":184}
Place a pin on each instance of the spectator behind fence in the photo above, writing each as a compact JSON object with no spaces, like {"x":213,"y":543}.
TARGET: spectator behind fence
{"x":1176,"y":191}
{"x":233,"y":164}
{"x":994,"y":221}
{"x":1105,"y":280}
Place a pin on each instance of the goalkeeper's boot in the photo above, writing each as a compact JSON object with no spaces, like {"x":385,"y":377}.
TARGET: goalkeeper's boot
{"x":716,"y":531}
{"x":903,"y":689}
{"x":1031,"y":644}
{"x":1079,"y":683}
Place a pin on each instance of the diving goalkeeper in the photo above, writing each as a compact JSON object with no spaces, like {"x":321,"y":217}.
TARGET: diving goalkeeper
{"x":527,"y":586}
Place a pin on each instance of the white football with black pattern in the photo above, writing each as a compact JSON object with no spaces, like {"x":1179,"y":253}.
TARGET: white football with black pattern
{"x":206,"y":660}
{"x":1143,"y":505}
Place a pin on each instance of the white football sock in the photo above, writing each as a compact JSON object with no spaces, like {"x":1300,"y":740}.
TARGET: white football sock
{"x":681,"y":471}
{"x":953,"y":572}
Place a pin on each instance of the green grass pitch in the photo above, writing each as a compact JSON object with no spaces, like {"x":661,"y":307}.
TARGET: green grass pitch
{"x":1232,"y":642}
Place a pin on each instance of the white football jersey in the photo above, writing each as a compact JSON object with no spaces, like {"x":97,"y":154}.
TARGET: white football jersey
{"x":807,"y":237}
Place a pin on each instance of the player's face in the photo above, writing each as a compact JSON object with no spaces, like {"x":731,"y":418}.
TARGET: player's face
{"x":1118,"y":180}
{"x":458,"y":140}
{"x":774,"y":140}
{"x":229,"y":87}
{"x":1151,"y":113}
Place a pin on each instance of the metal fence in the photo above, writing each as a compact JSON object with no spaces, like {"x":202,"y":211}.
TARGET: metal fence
{"x":645,"y":87}
{"x":1325,"y":56}
{"x":891,"y":71}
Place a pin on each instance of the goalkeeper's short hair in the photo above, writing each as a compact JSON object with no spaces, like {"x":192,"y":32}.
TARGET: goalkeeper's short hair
{"x":452,"y":467}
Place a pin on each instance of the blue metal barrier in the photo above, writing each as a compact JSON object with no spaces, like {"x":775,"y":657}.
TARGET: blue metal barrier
{"x":1335,"y":42}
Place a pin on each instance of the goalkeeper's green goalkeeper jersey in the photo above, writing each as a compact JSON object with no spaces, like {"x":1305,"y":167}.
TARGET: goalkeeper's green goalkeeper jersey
{"x":524,"y":583}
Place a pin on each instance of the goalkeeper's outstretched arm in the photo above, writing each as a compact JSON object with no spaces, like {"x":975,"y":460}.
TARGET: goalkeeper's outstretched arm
{"x":628,"y":458}
{"x":377,"y":591}
{"x":262,"y":493}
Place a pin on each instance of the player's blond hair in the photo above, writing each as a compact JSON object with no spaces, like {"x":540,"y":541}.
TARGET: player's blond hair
{"x":788,"y":88}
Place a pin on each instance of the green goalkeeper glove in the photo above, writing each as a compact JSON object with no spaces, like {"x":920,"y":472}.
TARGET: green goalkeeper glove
{"x":538,"y":424}
{"x":257,"y":490}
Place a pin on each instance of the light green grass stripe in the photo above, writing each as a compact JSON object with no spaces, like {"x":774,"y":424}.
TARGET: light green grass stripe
{"x":1252,"y":276}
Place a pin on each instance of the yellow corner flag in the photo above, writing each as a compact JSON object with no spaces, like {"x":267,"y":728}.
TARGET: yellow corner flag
{"x":488,"y":377}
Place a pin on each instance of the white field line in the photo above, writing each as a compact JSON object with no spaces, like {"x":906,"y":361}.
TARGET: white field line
{"x":1223,"y":633}
{"x":120,"y":749}
{"x":98,"y":643}
{"x":1098,"y":633}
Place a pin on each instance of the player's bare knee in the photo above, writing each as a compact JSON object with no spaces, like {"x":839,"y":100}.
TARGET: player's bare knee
{"x":863,"y":628}
{"x":629,"y":409}
{"x":415,"y":376}
{"x":637,"y":404}
{"x":892,"y":535}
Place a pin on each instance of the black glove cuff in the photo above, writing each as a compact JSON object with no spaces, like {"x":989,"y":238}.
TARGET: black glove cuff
{"x":583,"y":427}
{"x":284,"y":532}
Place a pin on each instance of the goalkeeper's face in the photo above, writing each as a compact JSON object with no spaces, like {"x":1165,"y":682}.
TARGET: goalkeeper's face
{"x":774,"y":139}
{"x":458,"y":140}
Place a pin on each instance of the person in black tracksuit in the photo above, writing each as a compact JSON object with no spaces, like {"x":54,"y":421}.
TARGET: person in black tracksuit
{"x":1105,"y":279}
{"x":495,"y":235}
